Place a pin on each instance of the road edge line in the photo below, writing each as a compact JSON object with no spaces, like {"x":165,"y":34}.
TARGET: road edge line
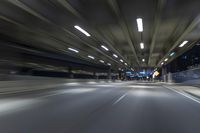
{"x":184,"y":94}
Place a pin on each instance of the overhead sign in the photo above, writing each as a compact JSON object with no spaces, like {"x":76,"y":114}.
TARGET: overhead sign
{"x":156,"y":73}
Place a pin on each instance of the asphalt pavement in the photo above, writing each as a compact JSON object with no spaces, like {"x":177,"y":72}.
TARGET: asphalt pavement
{"x":123,"y":107}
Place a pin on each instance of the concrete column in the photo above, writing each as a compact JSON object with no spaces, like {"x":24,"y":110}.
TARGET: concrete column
{"x":71,"y":75}
{"x":164,"y":74}
{"x":169,"y":77}
{"x":95,"y":76}
{"x":120,"y":75}
{"x":109,"y":73}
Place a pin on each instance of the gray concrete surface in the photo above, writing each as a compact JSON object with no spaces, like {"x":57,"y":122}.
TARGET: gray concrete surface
{"x":193,"y":90}
{"x":125,"y":107}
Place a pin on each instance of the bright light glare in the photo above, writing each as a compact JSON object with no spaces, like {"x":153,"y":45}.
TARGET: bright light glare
{"x":115,"y":55}
{"x":104,"y":85}
{"x":79,"y":90}
{"x":91,"y":57}
{"x":166,"y":59}
{"x":139,"y":24}
{"x":142,"y":45}
{"x":143,"y":60}
{"x":140,"y":86}
{"x":171,"y":54}
{"x":121,"y":60}
{"x":14,"y":105}
{"x":104,"y":47}
{"x":72,"y":84}
{"x":125,"y":64}
{"x":162,"y":63}
{"x":101,"y":61}
{"x":183,"y":44}
{"x":82,"y":30}
{"x":91,"y":82}
{"x":74,"y":50}
{"x":109,"y":64}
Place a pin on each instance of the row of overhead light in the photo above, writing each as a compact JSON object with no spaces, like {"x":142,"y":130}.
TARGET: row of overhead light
{"x":114,"y":55}
{"x":140,"y":29}
{"x":102,"y":46}
{"x":89,"y":56}
{"x":173,"y":53}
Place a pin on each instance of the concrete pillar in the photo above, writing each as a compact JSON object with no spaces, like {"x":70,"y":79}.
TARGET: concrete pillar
{"x":164,"y":74}
{"x":109,"y":73}
{"x":71,"y":75}
{"x":120,"y":74}
{"x":95,"y":75}
{"x":169,"y":77}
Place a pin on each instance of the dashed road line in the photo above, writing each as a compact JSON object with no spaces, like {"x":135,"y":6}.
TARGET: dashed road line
{"x":119,"y":99}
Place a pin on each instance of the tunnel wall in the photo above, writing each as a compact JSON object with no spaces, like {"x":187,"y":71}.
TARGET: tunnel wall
{"x":191,"y":76}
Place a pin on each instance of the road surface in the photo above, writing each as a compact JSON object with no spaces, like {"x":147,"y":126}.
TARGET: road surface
{"x":124,"y":107}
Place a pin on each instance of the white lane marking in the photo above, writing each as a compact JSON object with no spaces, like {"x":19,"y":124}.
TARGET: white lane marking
{"x":119,"y":99}
{"x":184,"y":94}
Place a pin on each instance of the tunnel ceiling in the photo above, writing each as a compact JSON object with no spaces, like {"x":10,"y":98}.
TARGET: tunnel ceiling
{"x":49,"y":25}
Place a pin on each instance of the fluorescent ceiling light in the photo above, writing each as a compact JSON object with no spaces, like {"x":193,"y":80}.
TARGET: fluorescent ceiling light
{"x":139,"y":24}
{"x":125,"y":64}
{"x":115,"y":55}
{"x":109,"y":64}
{"x":143,"y":60}
{"x":166,"y":59}
{"x":142,"y":45}
{"x":91,"y":57}
{"x":101,"y":61}
{"x":162,"y":63}
{"x":121,"y":60}
{"x":82,"y":30}
{"x":171,"y":54}
{"x":74,"y":50}
{"x":104,"y":47}
{"x":183,"y":43}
